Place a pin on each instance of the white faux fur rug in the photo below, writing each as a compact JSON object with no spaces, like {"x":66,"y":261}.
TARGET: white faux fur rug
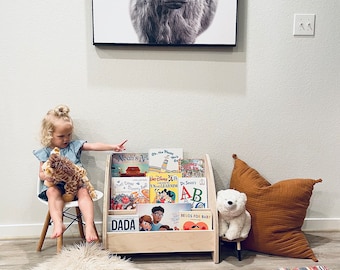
{"x":85,"y":256}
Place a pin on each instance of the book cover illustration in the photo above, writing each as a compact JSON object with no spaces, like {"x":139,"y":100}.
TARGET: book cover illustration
{"x":163,"y":187}
{"x":192,"y":167}
{"x":129,"y":164}
{"x":195,"y":220}
{"x":162,"y":216}
{"x":194,"y":191}
{"x":165,"y":159}
{"x":122,"y":223}
{"x":127,"y":192}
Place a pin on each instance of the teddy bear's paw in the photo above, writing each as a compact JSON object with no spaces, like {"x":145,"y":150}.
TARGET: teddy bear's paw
{"x":223,"y":231}
{"x":231,"y":236}
{"x":93,"y":195}
{"x":67,"y":197}
{"x":243,"y":235}
{"x":222,"y":235}
{"x":48,"y":183}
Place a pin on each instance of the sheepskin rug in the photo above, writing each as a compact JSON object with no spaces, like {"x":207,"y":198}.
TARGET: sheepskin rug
{"x":85,"y":256}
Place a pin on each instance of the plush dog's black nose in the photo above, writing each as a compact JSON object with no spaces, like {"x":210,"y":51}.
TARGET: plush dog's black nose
{"x":230,"y":202}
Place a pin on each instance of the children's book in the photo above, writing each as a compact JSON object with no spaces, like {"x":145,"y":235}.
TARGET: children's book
{"x":192,"y":167}
{"x":195,"y":220}
{"x":167,"y":214}
{"x":165,"y":159}
{"x":163,"y":187}
{"x":129,"y":164}
{"x":127,"y":192}
{"x":194,"y":191}
{"x":122,"y":223}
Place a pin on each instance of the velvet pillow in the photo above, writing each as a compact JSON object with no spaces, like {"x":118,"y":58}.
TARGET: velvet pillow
{"x":278,"y":212}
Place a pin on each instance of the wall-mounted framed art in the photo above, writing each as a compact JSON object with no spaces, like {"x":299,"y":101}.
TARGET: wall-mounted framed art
{"x":164,"y":22}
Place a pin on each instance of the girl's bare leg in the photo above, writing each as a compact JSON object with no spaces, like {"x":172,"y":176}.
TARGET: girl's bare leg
{"x":56,"y":206}
{"x":86,"y":207}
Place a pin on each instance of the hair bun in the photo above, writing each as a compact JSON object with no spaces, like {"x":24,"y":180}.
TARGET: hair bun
{"x":62,"y":110}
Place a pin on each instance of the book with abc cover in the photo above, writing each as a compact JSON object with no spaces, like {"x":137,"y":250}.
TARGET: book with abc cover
{"x":194,"y":191}
{"x":122,"y":223}
{"x":195,"y":220}
{"x":129,"y":164}
{"x":170,"y":213}
{"x":163,"y":187}
{"x":165,"y":159}
{"x":127,"y":192}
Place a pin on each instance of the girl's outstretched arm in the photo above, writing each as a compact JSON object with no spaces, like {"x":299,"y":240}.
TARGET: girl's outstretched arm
{"x":104,"y":147}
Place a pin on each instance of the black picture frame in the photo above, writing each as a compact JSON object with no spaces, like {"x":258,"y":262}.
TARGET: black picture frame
{"x":164,"y":22}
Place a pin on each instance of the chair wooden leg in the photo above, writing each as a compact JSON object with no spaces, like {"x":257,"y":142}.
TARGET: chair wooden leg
{"x":80,"y":223}
{"x":59,"y":243}
{"x":238,"y":248}
{"x":44,"y":231}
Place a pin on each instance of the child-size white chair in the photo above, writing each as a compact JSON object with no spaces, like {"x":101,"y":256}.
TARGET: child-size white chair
{"x":67,"y":213}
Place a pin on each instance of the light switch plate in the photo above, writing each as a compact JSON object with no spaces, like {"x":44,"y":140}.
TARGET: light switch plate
{"x":304,"y":25}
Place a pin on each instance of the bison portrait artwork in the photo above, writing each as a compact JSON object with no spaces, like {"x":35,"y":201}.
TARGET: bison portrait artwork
{"x":171,"y":21}
{"x":164,"y":22}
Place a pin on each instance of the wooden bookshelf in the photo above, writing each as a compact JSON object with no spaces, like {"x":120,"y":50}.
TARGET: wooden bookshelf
{"x":177,"y":241}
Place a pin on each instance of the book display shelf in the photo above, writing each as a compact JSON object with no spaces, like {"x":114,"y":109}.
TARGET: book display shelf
{"x":135,"y":242}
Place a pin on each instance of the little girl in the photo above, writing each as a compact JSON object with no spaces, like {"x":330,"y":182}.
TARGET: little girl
{"x":56,"y":131}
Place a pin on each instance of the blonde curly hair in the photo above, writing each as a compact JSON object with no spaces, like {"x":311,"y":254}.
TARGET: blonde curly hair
{"x":48,"y":123}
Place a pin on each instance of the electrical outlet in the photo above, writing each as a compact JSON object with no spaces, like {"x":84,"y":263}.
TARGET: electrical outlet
{"x":304,"y":25}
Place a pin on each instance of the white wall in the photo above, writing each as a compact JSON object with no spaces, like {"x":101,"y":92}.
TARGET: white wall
{"x":273,"y":99}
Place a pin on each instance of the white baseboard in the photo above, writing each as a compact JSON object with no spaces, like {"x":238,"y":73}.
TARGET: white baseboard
{"x":321,"y":224}
{"x":34,"y":230}
{"x":17,"y":231}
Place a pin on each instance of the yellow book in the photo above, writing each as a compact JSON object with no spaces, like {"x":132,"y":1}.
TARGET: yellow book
{"x":163,"y":187}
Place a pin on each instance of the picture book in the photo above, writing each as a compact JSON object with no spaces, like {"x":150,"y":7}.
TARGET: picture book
{"x":165,"y":159}
{"x":127,"y":192}
{"x":192,"y":167}
{"x":195,"y":220}
{"x":165,"y":216}
{"x":163,"y":187}
{"x":194,"y":191}
{"x":122,"y":223}
{"x":129,"y":164}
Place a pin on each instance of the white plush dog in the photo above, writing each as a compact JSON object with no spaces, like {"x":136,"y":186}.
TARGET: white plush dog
{"x":234,"y":219}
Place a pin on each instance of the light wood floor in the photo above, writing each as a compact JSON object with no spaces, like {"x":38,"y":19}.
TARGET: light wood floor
{"x":20,"y":254}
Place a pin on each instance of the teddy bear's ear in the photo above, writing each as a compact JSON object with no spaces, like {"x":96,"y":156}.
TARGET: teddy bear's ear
{"x":44,"y":165}
{"x":219,"y":192}
{"x":55,"y":150}
{"x":47,"y":172}
{"x":244,"y":196}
